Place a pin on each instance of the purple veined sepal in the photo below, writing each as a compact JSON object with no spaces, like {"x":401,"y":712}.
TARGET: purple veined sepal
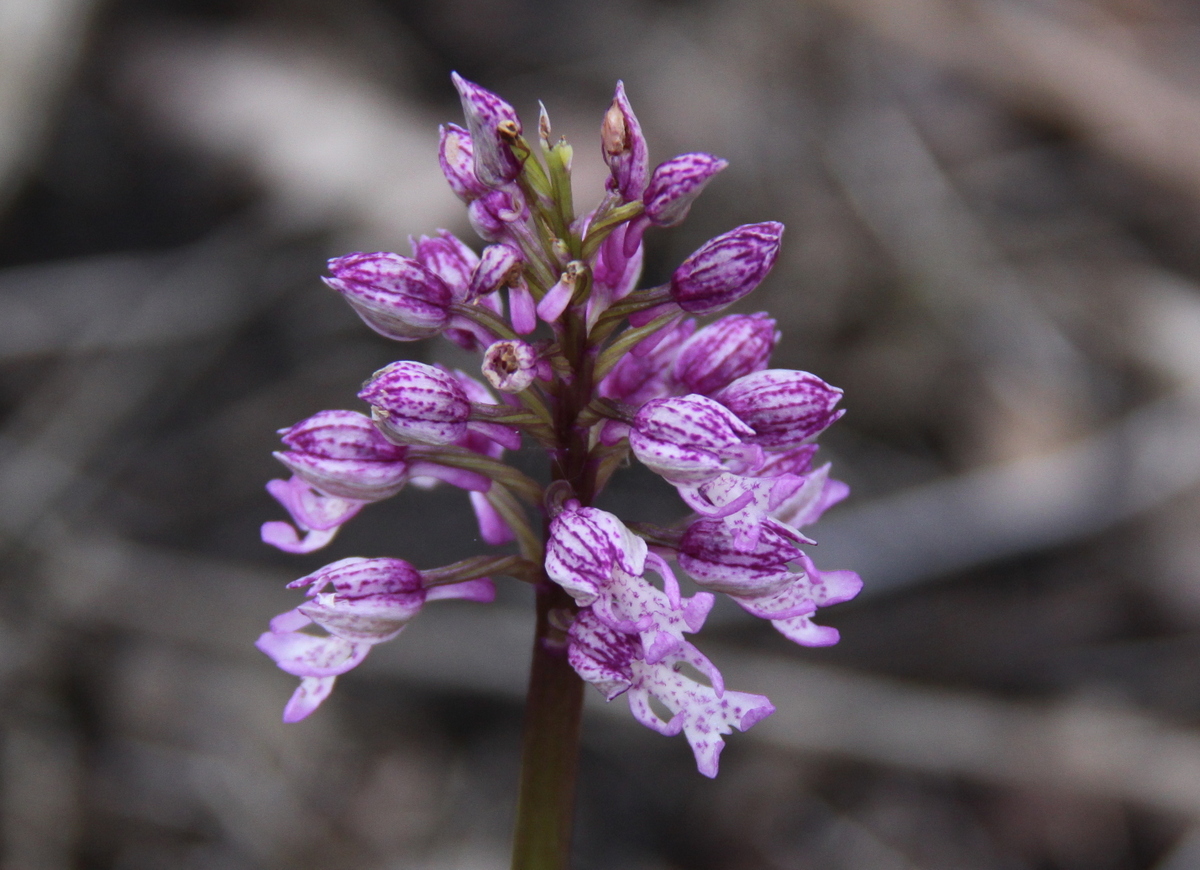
{"x":676,"y":184}
{"x":708,"y":554}
{"x":724,"y":351}
{"x":624,"y":148}
{"x":615,"y":663}
{"x":450,"y":259}
{"x":691,"y":439}
{"x":726,"y":268}
{"x":394,"y":295}
{"x":372,"y":601}
{"x":415,"y":403}
{"x":785,"y":408}
{"x":493,"y":125}
{"x":592,"y":555}
{"x":586,"y":546}
{"x":317,"y":516}
{"x":342,"y":454}
{"x":456,"y":156}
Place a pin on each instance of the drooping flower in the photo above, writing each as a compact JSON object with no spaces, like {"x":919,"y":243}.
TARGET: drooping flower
{"x":317,"y":516}
{"x":592,"y":555}
{"x":762,"y":580}
{"x":372,"y":601}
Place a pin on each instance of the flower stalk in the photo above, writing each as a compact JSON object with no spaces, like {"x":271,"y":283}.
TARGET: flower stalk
{"x":596,"y":372}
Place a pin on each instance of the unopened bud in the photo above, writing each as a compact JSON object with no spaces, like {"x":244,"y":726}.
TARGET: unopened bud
{"x":724,"y":351}
{"x":493,"y":125}
{"x":624,"y":148}
{"x":676,"y":184}
{"x":415,"y":403}
{"x":396,"y":296}
{"x":726,"y":268}
{"x":785,"y":408}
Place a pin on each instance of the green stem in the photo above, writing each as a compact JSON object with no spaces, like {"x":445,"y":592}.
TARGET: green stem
{"x":550,"y":745}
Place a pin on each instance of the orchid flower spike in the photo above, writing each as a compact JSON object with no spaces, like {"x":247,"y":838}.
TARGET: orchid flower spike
{"x":595,"y":371}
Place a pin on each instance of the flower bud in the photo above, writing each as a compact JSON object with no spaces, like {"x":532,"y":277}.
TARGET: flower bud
{"x":725,"y":351}
{"x":396,"y":296}
{"x":493,"y":124}
{"x":457,"y":159}
{"x":510,"y":366}
{"x":691,"y":439}
{"x":624,"y":148}
{"x":448,"y":258}
{"x":676,"y":184}
{"x":415,"y":403}
{"x":707,"y":552}
{"x":499,"y":267}
{"x":785,"y":408}
{"x":491,"y":214}
{"x":726,"y":268}
{"x":342,"y":454}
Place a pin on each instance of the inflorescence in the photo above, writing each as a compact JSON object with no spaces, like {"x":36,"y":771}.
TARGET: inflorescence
{"x":592,"y":370}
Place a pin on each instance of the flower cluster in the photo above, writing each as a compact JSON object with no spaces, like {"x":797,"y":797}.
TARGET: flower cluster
{"x":579,"y":361}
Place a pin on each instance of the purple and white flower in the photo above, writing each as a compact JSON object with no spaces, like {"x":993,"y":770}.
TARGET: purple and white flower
{"x":616,"y":664}
{"x":785,"y":408}
{"x":372,"y":601}
{"x":396,"y":296}
{"x":691,"y":439}
{"x":724,"y":351}
{"x":726,"y":268}
{"x":676,"y":184}
{"x":493,"y":124}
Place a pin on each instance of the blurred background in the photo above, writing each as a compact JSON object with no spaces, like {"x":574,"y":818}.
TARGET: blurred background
{"x":993,"y":246}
